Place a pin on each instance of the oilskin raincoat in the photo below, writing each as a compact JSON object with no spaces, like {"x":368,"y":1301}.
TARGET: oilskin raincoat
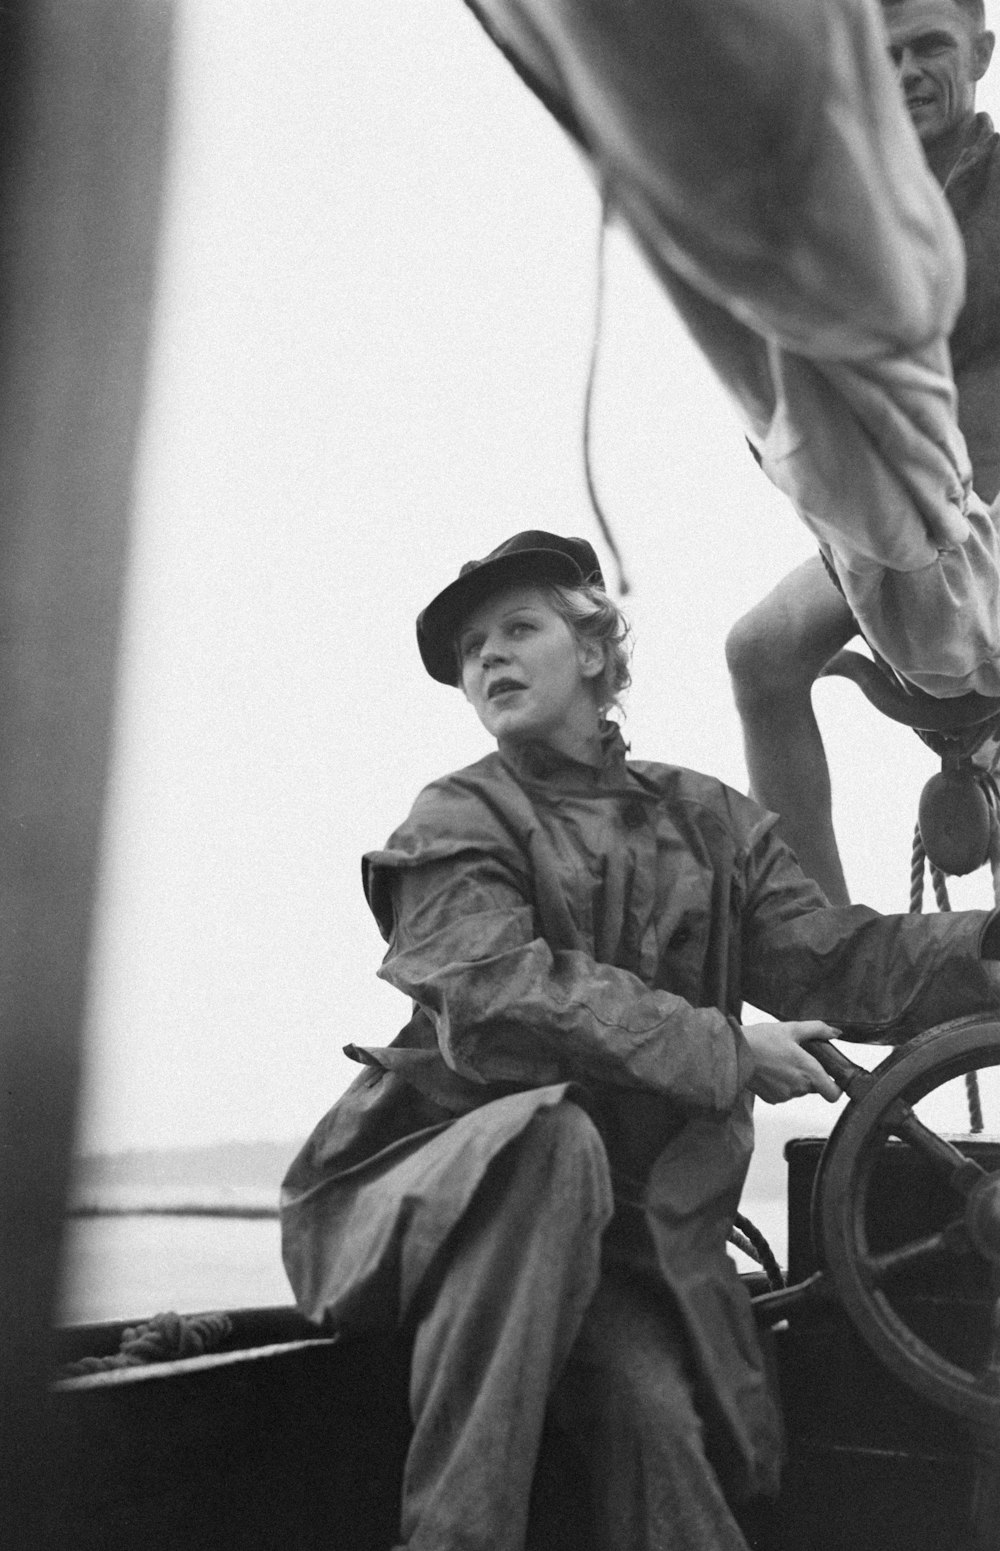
{"x":566,"y":931}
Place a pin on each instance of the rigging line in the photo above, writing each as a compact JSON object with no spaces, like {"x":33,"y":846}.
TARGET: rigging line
{"x":973,"y":1098}
{"x":624,"y":586}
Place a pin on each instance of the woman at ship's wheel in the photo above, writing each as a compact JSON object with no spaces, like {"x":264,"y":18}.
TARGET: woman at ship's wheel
{"x":538,"y":1177}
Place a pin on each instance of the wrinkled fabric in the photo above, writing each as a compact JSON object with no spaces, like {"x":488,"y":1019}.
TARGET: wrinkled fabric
{"x":495,"y":1322}
{"x":587,"y":935}
{"x":973,"y":194}
{"x":762,"y":156}
{"x":626,"y":1401}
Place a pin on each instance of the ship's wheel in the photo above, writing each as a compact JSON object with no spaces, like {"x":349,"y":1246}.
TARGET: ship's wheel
{"x":867,"y":1280}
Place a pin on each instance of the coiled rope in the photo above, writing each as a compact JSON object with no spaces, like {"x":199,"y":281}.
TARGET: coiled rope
{"x":164,"y":1338}
{"x":940,"y":886}
{"x":748,"y":1237}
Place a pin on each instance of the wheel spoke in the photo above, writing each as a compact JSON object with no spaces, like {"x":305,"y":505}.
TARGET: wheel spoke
{"x":953,"y":1239}
{"x":852,"y":1079}
{"x":962,"y":1172}
{"x":899,"y":1118}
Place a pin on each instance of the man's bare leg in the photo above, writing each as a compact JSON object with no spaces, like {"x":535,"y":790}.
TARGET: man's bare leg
{"x":775,"y":654}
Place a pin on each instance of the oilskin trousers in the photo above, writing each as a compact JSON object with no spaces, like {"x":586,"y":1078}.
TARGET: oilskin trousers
{"x":517,"y":1318}
{"x":761,"y":154}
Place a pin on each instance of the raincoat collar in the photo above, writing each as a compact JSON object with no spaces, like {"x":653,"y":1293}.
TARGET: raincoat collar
{"x":982,"y":141}
{"x":537,"y":762}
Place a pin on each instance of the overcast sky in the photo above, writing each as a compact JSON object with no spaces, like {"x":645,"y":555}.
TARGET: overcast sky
{"x":375,"y":309}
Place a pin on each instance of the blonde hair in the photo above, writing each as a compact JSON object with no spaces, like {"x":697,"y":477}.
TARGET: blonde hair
{"x":593,"y":616}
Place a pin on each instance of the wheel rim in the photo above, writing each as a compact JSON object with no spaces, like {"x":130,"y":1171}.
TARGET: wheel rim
{"x":840,"y":1200}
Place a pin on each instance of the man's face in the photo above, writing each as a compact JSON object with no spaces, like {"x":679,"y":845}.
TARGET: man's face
{"x":939,"y":55}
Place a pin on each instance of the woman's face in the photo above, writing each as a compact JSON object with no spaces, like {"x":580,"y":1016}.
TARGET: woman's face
{"x":526,"y":674}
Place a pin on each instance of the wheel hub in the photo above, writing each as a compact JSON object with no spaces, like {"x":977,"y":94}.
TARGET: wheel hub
{"x":982,"y":1217}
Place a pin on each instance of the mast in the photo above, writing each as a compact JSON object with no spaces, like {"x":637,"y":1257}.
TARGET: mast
{"x":82,"y":145}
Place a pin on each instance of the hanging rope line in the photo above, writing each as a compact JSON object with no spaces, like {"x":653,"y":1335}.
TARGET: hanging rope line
{"x":919,"y":858}
{"x":588,"y":406}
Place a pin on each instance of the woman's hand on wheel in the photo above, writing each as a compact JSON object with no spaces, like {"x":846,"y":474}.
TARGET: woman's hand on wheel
{"x":782,"y":1069}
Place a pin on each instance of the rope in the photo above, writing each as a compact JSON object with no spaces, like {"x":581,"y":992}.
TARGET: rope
{"x":940,"y":889}
{"x":919,"y":856}
{"x":164,"y":1338}
{"x":588,"y":408}
{"x":974,"y":1101}
{"x":939,"y":883}
{"x":748,"y":1237}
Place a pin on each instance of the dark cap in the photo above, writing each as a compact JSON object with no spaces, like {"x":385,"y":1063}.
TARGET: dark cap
{"x":532,"y":556}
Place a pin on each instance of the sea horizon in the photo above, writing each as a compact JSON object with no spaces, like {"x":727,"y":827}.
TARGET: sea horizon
{"x":129,"y":1264}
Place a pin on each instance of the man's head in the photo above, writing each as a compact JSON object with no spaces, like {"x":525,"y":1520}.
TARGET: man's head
{"x":940,"y":48}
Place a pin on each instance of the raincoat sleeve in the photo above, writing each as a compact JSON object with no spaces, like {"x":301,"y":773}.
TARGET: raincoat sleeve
{"x":879,"y":978}
{"x":509,"y":1007}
